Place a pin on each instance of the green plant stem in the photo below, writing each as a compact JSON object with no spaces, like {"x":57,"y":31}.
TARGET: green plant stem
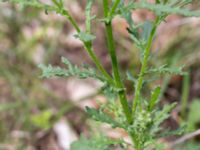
{"x":117,"y":78}
{"x":97,"y":62}
{"x":144,"y":67}
{"x":114,"y":7}
{"x":185,"y":94}
{"x":88,"y":48}
{"x":73,"y":22}
{"x":105,"y":8}
{"x":137,"y":144}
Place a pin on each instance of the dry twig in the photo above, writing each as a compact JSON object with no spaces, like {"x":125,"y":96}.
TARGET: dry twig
{"x":185,"y":138}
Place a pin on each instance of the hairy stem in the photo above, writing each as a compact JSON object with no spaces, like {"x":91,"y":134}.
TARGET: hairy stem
{"x":88,"y":48}
{"x":97,"y":62}
{"x":115,"y":67}
{"x":144,"y":67}
{"x":71,"y":20}
{"x":114,"y":7}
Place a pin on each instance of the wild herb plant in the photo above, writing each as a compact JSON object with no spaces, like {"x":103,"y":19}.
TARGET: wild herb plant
{"x":141,"y":119}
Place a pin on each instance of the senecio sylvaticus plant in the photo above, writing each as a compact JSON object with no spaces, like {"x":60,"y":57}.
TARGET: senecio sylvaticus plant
{"x":140,"y":118}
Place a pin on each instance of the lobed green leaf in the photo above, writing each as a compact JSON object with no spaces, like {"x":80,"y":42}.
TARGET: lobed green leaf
{"x":33,"y":3}
{"x":99,"y":115}
{"x":154,"y":98}
{"x":162,"y":115}
{"x":88,"y":15}
{"x":85,"y":37}
{"x":72,"y":70}
{"x":165,"y":70}
{"x":161,"y":8}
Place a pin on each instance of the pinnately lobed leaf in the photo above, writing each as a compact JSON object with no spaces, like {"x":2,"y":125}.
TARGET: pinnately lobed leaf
{"x":166,"y":70}
{"x":88,"y":15}
{"x":161,"y":8}
{"x":72,"y":70}
{"x":103,"y":117}
{"x":33,"y":3}
{"x":154,"y":98}
{"x":85,"y":37}
{"x":163,"y":114}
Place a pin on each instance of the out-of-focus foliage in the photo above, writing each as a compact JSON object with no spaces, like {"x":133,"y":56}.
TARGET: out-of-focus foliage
{"x":42,"y":120}
{"x":193,"y":116}
{"x":98,"y":143}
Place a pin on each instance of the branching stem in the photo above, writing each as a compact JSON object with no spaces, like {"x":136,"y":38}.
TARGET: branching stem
{"x":88,"y":48}
{"x":115,"y":66}
{"x":144,"y":67}
{"x":114,"y":7}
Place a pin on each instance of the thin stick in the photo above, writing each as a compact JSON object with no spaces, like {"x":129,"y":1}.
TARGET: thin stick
{"x":185,"y":138}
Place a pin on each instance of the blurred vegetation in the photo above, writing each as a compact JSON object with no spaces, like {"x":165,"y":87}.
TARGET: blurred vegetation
{"x":22,"y":94}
